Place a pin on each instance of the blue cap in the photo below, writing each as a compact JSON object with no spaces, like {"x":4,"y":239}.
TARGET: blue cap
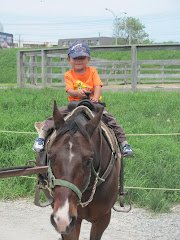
{"x":78,"y":49}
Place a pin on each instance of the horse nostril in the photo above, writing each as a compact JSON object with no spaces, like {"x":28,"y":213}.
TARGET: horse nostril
{"x":52,"y":220}
{"x":73,"y":221}
{"x":71,"y":226}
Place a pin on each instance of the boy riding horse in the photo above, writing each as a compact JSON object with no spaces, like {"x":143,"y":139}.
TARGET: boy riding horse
{"x":79,"y":80}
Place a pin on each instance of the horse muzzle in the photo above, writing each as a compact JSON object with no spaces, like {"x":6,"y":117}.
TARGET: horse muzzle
{"x":63,"y":225}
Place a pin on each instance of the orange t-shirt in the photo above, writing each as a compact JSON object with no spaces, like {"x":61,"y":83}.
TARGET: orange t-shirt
{"x":89,"y":80}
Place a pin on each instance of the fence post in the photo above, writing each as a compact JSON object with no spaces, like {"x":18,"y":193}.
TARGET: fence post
{"x":20,"y":71}
{"x":49,"y":69}
{"x":44,"y":68}
{"x":162,"y":72}
{"x":133,"y":67}
{"x":63,"y":69}
{"x":138,"y":73}
{"x":32,"y":78}
{"x":124,"y":71}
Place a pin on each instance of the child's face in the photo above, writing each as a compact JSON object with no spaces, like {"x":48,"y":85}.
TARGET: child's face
{"x":79,"y":63}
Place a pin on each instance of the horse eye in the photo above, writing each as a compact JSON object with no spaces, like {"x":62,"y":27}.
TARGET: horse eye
{"x":87,"y":162}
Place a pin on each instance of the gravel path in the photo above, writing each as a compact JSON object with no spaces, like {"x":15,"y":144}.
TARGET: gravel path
{"x":143,"y":87}
{"x":22,"y":220}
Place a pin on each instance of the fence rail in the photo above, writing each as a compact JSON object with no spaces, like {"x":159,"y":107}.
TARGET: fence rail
{"x":46,"y":67}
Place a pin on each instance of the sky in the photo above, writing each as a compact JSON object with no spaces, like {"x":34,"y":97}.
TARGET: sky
{"x":50,"y":20}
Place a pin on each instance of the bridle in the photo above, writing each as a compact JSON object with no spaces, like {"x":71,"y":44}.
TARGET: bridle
{"x":63,"y":183}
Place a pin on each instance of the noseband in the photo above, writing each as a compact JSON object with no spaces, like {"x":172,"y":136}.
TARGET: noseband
{"x":63,"y":183}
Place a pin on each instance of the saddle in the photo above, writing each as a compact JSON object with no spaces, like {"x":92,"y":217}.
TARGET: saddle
{"x":95,"y":107}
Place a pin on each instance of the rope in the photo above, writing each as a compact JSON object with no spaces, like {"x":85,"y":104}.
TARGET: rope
{"x":28,"y":177}
{"x":154,"y":134}
{"x":84,"y":204}
{"x":162,"y":189}
{"x":141,"y":188}
{"x":140,"y":134}
{"x":1,"y":131}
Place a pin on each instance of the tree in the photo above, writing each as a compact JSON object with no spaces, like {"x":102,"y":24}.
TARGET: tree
{"x":130,"y":31}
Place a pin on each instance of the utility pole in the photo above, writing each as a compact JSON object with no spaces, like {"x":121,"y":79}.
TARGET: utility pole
{"x":19,"y":40}
{"x":129,"y":36}
{"x":115,"y":22}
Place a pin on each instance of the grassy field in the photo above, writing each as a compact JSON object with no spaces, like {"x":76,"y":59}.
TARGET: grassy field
{"x":157,"y":158}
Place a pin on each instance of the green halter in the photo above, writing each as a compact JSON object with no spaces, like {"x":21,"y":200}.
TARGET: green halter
{"x":63,"y":183}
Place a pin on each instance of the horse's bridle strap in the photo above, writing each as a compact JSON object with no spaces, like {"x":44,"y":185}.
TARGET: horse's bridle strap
{"x":63,"y":183}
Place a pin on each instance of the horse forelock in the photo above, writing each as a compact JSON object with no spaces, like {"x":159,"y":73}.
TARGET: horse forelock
{"x":72,"y":125}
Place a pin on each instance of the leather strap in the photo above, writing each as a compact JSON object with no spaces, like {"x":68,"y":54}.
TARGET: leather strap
{"x":37,"y":198}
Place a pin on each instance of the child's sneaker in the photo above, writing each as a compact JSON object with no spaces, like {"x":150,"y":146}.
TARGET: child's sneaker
{"x":38,"y":145}
{"x":127,"y":151}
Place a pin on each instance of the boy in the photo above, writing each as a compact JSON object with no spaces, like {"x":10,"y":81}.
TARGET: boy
{"x":79,"y":57}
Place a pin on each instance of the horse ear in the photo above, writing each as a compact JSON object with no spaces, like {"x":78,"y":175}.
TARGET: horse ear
{"x":94,"y":122}
{"x":58,"y":118}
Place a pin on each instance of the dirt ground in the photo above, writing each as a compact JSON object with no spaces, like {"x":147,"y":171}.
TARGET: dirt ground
{"x":22,"y":220}
{"x":143,"y":87}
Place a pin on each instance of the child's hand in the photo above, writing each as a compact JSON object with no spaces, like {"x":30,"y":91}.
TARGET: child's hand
{"x":97,"y":94}
{"x":81,"y":93}
{"x":94,"y":100}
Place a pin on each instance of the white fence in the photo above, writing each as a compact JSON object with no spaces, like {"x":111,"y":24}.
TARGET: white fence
{"x":46,"y":68}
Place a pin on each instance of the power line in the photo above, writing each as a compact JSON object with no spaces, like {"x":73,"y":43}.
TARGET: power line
{"x":42,"y":28}
{"x":91,"y":21}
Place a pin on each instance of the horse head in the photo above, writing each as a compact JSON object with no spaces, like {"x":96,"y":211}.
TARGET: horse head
{"x":70,"y":155}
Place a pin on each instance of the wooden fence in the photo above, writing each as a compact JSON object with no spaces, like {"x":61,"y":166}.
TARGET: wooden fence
{"x":46,"y":67}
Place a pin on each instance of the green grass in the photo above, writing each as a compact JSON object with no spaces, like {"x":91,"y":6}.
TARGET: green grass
{"x":142,"y":55}
{"x":8,"y":66}
{"x":157,"y":158}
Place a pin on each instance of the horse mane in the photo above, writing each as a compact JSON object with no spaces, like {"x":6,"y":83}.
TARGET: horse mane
{"x":73,"y":124}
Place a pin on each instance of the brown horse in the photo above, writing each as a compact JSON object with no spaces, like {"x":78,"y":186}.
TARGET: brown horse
{"x":78,"y":149}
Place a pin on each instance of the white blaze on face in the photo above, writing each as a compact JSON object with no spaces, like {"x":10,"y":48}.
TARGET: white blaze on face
{"x":61,"y":217}
{"x":71,"y":155}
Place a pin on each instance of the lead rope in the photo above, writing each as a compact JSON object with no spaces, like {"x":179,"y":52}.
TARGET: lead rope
{"x":84,"y":204}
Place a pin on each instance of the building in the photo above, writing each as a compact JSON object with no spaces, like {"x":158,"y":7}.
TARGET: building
{"x":32,"y":44}
{"x":94,"y":41}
